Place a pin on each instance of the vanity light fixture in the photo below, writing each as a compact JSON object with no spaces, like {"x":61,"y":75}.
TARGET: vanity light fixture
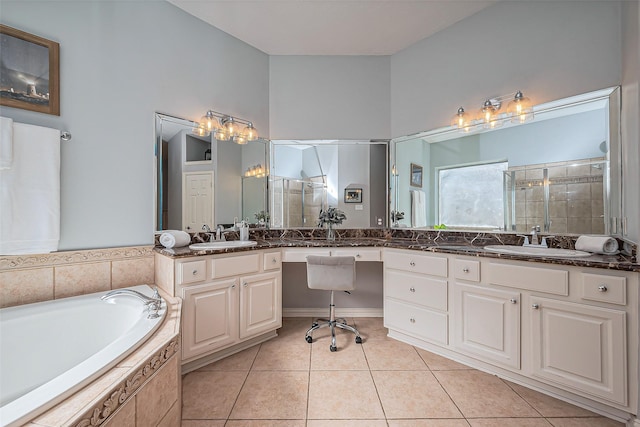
{"x":226,"y":128}
{"x":519,"y":110}
{"x":258,"y":171}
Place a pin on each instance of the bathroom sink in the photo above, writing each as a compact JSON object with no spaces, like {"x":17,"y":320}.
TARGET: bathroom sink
{"x":222,"y":245}
{"x":536,"y":251}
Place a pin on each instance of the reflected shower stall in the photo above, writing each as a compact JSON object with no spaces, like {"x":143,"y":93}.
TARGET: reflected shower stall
{"x":295,"y":202}
{"x":562,"y":197}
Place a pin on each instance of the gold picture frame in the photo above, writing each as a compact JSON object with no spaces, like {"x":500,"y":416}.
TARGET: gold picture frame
{"x":30,"y":71}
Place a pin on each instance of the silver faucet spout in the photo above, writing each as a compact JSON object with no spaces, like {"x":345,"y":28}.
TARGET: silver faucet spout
{"x":153,"y":303}
{"x":534,"y":235}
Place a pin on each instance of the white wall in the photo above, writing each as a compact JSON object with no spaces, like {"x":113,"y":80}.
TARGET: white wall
{"x":630,"y":116}
{"x":549,"y":50}
{"x":119,"y":63}
{"x":329,"y":97}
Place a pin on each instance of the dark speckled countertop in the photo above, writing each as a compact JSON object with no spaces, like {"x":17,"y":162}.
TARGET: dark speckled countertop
{"x":449,"y":242}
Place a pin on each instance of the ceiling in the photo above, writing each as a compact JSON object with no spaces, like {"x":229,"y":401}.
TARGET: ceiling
{"x":331,"y":27}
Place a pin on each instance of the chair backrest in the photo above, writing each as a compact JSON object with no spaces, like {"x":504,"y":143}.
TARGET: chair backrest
{"x":337,"y":273}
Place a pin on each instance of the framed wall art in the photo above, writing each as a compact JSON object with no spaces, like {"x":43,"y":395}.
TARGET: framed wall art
{"x":416,"y":175}
{"x":353,"y":195}
{"x":29,"y":70}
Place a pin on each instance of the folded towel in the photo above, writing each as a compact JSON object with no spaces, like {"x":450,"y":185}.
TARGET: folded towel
{"x":174,"y":238}
{"x":597,"y":244}
{"x":6,"y":142}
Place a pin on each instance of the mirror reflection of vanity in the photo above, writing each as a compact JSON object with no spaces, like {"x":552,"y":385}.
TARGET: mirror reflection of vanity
{"x":560,"y":172}
{"x":200,"y":180}
{"x":310,"y":175}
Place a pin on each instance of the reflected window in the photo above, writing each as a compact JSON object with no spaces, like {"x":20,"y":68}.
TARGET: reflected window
{"x":472,"y":195}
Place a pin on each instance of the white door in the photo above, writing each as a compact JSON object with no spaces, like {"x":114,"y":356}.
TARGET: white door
{"x":197,"y":200}
{"x":487,"y":323}
{"x":581,"y":347}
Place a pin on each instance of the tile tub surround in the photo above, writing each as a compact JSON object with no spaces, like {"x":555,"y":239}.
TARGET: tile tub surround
{"x":26,"y":279}
{"x":142,"y":390}
{"x":453,"y":242}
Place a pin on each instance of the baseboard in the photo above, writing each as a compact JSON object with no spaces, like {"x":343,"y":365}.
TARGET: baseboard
{"x":323,"y":312}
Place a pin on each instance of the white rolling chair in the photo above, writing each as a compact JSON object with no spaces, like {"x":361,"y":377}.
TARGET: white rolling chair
{"x":331,"y":273}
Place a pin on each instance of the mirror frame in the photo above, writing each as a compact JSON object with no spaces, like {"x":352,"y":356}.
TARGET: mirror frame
{"x":616,"y":224}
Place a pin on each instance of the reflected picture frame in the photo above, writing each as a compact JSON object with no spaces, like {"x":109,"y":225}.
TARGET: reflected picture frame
{"x":415,"y":175}
{"x":31,"y":71}
{"x":353,"y":195}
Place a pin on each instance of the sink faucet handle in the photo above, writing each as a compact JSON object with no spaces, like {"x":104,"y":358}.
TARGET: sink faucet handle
{"x":526,"y":239}
{"x":156,"y":294}
{"x":544,"y":243}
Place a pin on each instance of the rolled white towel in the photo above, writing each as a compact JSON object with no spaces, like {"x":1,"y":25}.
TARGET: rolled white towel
{"x":174,"y":238}
{"x":597,"y":244}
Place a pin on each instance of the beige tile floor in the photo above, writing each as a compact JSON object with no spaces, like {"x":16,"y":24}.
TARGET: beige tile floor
{"x":287,"y":382}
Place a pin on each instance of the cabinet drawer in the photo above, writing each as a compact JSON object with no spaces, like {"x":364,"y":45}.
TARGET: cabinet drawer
{"x":272,"y":261}
{"x":300,"y":254}
{"x":598,"y":287}
{"x":359,"y":254}
{"x":418,"y":322}
{"x":416,"y":289}
{"x":235,"y":265}
{"x":416,"y":262}
{"x":192,"y":271}
{"x":530,"y":278}
{"x":465,"y":269}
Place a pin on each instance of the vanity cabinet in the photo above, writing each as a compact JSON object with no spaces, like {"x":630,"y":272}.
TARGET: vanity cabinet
{"x":416,"y":295}
{"x":228,"y":299}
{"x":570,"y":330}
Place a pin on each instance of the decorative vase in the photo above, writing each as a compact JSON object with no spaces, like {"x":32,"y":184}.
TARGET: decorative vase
{"x":331,"y":233}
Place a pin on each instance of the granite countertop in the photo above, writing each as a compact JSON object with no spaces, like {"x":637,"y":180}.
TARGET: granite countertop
{"x":458,"y":243}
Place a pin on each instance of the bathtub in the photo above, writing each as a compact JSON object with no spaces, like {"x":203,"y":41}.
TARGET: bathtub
{"x":49,"y":350}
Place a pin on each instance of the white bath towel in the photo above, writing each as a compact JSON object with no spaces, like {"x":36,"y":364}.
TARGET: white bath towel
{"x":597,"y":244}
{"x":30,"y":193}
{"x":174,"y":239}
{"x":6,"y":142}
{"x":418,"y":209}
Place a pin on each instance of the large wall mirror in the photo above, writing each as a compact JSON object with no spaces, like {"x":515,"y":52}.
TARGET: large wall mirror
{"x":307,"y":176}
{"x":561,"y":172}
{"x":201,"y":181}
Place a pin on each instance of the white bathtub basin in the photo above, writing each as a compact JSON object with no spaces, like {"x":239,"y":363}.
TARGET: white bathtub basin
{"x":222,"y":245}
{"x":538,"y":251}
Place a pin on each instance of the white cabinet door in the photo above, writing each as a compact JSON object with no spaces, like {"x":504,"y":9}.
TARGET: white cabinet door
{"x":260,"y":304}
{"x":209,"y":317}
{"x":487,"y":323}
{"x":197,"y":200}
{"x":581,"y":347}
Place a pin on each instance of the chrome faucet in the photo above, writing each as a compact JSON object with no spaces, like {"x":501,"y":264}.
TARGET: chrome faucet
{"x":220,"y":232}
{"x":153,"y":302}
{"x":534,"y":234}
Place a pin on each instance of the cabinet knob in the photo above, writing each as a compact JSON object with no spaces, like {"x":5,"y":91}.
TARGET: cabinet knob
{"x":244,"y":284}
{"x":466,"y":269}
{"x":273,"y":261}
{"x":412,"y":289}
{"x":233,"y":286}
{"x":602,"y":288}
{"x":357,"y":255}
{"x":412,"y":320}
{"x":513,"y":301}
{"x":195,"y":272}
{"x":535,"y":306}
{"x":412,"y":264}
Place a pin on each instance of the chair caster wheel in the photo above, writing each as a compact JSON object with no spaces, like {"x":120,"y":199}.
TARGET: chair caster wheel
{"x":309,"y":339}
{"x":333,"y":348}
{"x":358,"y":340}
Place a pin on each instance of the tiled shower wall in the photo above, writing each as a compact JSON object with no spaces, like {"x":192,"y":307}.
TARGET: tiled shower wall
{"x":289,"y":211}
{"x":26,"y":279}
{"x":576,"y":196}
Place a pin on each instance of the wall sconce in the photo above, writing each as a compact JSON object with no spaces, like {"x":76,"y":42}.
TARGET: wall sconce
{"x":258,"y":171}
{"x":519,"y":110}
{"x":226,"y":128}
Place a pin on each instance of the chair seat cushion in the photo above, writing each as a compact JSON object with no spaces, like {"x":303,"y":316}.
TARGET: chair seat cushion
{"x":335,"y":273}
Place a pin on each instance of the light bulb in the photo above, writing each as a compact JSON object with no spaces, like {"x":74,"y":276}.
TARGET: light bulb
{"x":200,"y":130}
{"x":250,"y":133}
{"x":520,"y":109}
